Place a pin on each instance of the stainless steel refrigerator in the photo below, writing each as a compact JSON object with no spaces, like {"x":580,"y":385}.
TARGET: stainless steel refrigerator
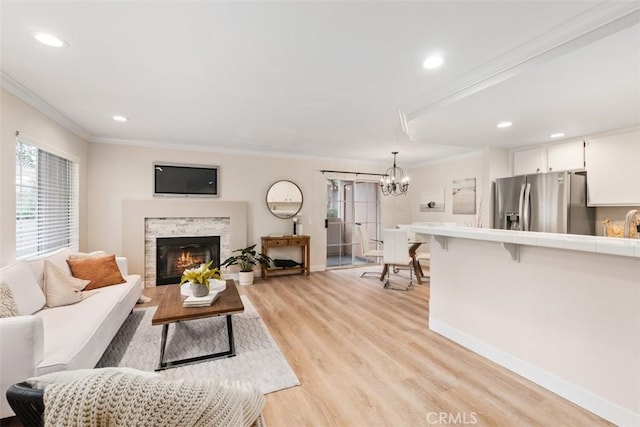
{"x":553,"y":202}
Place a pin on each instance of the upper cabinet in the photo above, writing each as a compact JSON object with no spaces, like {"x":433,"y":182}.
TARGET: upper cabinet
{"x":284,"y":192}
{"x":549,"y":158}
{"x":566,"y":156}
{"x":531,"y":160}
{"x":284,"y":199}
{"x":612,"y":163}
{"x":613,"y":170}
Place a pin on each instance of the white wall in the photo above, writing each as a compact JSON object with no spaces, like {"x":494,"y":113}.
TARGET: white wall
{"x":484,"y":166}
{"x":16,"y":115}
{"x":112,"y":173}
{"x":119,"y":172}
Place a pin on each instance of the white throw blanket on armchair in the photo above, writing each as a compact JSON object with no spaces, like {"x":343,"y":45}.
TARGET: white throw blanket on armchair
{"x":119,"y":399}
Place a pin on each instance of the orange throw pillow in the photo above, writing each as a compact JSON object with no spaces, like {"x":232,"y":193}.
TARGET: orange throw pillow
{"x":102,"y":271}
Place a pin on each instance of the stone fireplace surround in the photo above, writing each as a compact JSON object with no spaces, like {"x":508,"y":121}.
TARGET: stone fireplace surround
{"x":136,"y":214}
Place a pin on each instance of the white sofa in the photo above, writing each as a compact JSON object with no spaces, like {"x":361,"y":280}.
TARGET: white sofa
{"x":43,"y":340}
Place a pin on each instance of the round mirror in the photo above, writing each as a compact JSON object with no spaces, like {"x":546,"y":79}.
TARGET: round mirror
{"x":284,"y":199}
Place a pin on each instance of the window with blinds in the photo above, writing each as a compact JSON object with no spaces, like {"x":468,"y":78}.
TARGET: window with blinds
{"x":46,"y":201}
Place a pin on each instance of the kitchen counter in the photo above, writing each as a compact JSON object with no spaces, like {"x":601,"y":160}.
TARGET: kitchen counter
{"x":560,"y":310}
{"x":574,"y":242}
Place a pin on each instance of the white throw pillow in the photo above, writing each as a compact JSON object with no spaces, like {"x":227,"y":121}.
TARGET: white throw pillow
{"x":8,"y":306}
{"x":28,"y":295}
{"x":63,"y":377}
{"x":61,"y":288}
{"x":57,"y":258}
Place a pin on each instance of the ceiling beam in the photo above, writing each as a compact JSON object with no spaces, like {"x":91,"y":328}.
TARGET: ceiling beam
{"x":597,"y":23}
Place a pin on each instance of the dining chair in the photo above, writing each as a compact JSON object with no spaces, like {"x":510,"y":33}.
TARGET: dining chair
{"x":395,"y":254}
{"x":423,"y":256}
{"x":415,"y":243}
{"x":365,"y":249}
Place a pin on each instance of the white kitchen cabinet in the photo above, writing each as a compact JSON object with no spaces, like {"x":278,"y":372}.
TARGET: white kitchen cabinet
{"x":613,"y":170}
{"x":284,"y":191}
{"x":530,"y":160}
{"x":549,"y":158}
{"x":565,"y":156}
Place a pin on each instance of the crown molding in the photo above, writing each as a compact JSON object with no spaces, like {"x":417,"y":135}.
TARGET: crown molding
{"x":28,"y":96}
{"x":222,"y":150}
{"x":596,"y":23}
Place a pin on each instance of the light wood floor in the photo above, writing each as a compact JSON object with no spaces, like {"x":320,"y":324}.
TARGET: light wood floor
{"x":365,"y":357}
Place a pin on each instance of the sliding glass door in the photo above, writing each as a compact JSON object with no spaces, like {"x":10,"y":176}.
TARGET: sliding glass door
{"x":349,"y":203}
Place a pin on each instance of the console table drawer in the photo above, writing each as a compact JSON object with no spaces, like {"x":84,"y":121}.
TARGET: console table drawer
{"x":298,"y":242}
{"x":278,"y":242}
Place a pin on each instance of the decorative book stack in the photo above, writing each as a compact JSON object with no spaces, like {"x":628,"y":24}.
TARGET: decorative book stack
{"x":205,"y":301}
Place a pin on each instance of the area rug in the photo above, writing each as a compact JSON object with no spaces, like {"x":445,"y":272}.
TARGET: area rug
{"x":258,"y":359}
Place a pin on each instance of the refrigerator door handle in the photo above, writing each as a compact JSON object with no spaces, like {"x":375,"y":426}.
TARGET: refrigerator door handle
{"x":527,"y":207}
{"x":521,"y":207}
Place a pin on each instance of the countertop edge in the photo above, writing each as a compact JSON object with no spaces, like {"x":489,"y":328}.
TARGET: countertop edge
{"x":594,"y":244}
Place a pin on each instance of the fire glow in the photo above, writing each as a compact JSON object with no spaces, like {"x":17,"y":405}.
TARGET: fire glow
{"x":185,"y":260}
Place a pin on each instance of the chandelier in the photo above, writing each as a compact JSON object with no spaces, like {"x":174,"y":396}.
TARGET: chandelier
{"x":394,"y":182}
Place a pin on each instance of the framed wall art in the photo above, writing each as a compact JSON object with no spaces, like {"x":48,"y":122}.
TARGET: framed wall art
{"x":464,"y":196}
{"x":432,"y":200}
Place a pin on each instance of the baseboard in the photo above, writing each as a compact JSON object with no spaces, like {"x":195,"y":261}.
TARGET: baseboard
{"x":581,"y":397}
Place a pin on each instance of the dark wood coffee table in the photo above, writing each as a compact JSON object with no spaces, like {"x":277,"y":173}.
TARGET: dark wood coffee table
{"x":170,"y":310}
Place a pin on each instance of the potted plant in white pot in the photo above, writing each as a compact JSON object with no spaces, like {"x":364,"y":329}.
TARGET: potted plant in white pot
{"x":247,"y":258}
{"x":200,"y":278}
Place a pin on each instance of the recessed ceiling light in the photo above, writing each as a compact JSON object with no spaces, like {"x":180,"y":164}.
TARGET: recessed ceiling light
{"x":49,"y":40}
{"x":434,"y":61}
{"x":120,"y":119}
{"x":556,"y":135}
{"x":502,"y":125}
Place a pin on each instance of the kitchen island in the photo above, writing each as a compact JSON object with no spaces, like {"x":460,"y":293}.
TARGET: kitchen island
{"x":561,"y":310}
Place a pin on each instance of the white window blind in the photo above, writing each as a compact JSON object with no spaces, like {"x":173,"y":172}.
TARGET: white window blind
{"x":46,"y":201}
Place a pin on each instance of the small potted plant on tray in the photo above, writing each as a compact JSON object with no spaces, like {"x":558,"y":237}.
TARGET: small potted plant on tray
{"x":199,"y":278}
{"x":246,"y":259}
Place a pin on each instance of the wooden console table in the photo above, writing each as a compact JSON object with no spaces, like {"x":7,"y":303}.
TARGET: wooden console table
{"x":285,"y":241}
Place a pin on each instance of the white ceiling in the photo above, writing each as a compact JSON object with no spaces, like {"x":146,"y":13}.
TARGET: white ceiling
{"x":328,"y":79}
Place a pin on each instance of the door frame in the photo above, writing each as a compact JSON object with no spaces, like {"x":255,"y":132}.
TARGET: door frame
{"x":348,"y":205}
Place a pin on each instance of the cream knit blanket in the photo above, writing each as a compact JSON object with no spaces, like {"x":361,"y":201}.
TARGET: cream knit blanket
{"x":120,"y":399}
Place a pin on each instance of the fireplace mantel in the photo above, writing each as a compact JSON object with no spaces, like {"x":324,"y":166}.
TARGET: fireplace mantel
{"x":136,"y":211}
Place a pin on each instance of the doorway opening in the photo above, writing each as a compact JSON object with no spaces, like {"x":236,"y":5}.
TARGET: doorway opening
{"x":350,"y":202}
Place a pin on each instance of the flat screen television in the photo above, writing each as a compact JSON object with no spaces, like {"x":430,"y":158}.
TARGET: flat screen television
{"x":185,"y":180}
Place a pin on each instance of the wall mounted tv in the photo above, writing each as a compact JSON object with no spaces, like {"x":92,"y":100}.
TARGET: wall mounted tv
{"x":185,"y":180}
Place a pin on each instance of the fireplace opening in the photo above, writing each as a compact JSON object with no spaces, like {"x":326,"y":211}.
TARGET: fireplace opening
{"x":176,"y":254}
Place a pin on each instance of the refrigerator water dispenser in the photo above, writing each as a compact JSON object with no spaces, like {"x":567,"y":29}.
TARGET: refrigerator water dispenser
{"x":512,"y":220}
